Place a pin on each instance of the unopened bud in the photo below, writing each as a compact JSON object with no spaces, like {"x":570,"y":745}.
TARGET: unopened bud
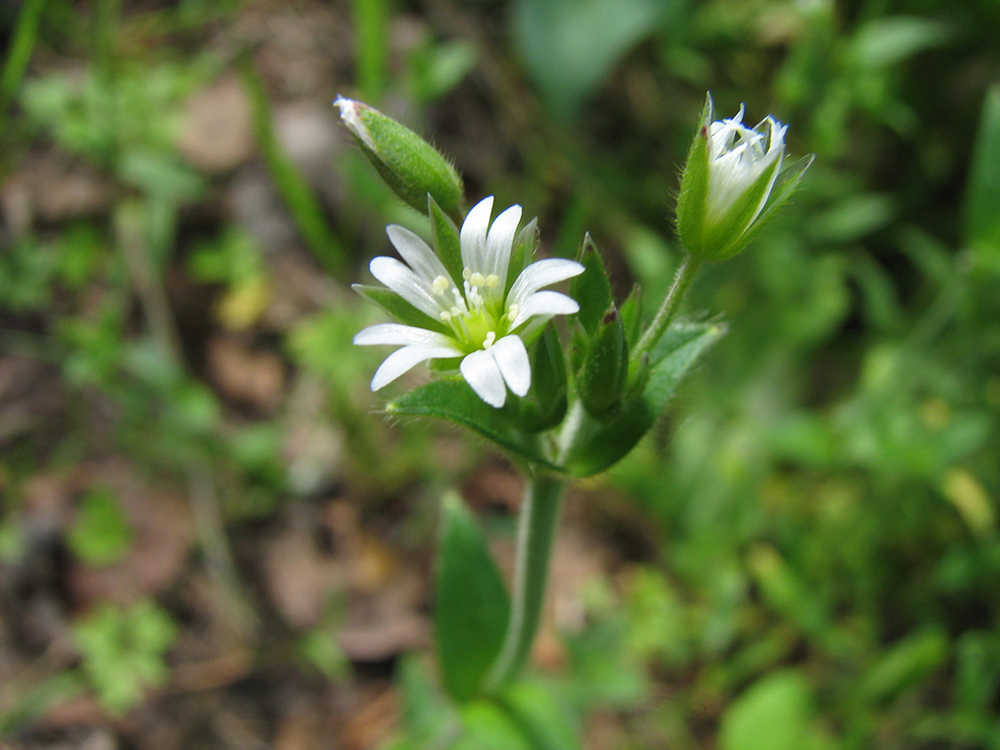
{"x":411,"y":166}
{"x":603,"y":376}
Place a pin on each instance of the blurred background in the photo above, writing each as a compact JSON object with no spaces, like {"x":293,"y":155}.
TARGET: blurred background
{"x":209,"y":535}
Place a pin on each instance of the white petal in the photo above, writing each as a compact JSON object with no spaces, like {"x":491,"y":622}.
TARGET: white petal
{"x":473,"y":234}
{"x":482,"y":372}
{"x":416,"y":253}
{"x":404,"y":360}
{"x":541,"y":274}
{"x":545,"y":304}
{"x":403,"y":281}
{"x":397,"y":334}
{"x":500,"y":241}
{"x":512,"y":359}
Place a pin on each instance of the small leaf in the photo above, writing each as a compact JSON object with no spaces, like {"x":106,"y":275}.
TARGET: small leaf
{"x":592,"y":288}
{"x":454,"y":400}
{"x":599,"y":446}
{"x":982,"y":221}
{"x":399,"y":308}
{"x":472,"y":606}
{"x":772,"y":714}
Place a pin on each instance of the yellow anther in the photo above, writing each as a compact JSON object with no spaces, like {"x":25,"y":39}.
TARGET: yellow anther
{"x":466,"y":273}
{"x":492,"y":281}
{"x":445,"y":316}
{"x":477,"y":279}
{"x":440,"y":285}
{"x":490,"y":338}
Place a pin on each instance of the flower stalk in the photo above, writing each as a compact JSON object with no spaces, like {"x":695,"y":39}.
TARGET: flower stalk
{"x":668,"y":309}
{"x":536,"y":530}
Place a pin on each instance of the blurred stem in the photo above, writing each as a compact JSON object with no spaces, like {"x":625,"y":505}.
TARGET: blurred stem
{"x":370,"y":19}
{"x":19,"y":53}
{"x":685,"y":275}
{"x":298,"y":196}
{"x":535,"y":533}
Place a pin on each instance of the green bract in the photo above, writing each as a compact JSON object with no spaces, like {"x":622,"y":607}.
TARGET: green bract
{"x":411,"y":166}
{"x":734,"y":180}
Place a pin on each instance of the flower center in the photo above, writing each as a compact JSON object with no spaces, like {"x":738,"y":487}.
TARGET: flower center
{"x":475,"y":313}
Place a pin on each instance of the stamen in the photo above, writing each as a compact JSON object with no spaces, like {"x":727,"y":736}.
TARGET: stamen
{"x":440,"y":285}
{"x":492,"y":281}
{"x":490,"y":338}
{"x":445,"y":316}
{"x":477,"y":279}
{"x":466,"y":273}
{"x":513,"y":310}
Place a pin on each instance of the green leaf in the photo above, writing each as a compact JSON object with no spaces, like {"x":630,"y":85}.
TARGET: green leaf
{"x":600,"y":445}
{"x":772,"y":714}
{"x":592,"y":288}
{"x":982,"y":220}
{"x":399,"y":308}
{"x":454,"y":400}
{"x":570,"y":46}
{"x":472,"y":607}
{"x":906,"y":665}
{"x":631,"y":311}
{"x":546,"y":722}
{"x":487,"y":727}
{"x":888,"y":41}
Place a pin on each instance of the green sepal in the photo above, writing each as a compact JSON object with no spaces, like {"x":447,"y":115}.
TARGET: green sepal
{"x":602,"y":378}
{"x":411,"y":166}
{"x":692,"y":200}
{"x":454,"y":400}
{"x":471,"y":603}
{"x":788,"y":179}
{"x":592,"y":288}
{"x":544,"y":406}
{"x":523,"y":252}
{"x":727,"y":235}
{"x":631,"y":311}
{"x":598,"y":446}
{"x":447,"y":244}
{"x":399,"y":308}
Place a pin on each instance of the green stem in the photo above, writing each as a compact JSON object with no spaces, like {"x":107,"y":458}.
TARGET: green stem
{"x":683,"y":279}
{"x":536,"y":531}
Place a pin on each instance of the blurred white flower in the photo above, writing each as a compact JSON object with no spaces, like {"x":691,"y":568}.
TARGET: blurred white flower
{"x":484,"y":318}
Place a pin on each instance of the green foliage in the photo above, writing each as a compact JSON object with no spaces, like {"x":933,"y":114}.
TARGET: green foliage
{"x":471,"y":604}
{"x":123,"y":652}
{"x":101,"y":534}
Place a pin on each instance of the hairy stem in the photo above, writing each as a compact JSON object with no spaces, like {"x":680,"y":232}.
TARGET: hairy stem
{"x":683,"y":279}
{"x":536,"y":530}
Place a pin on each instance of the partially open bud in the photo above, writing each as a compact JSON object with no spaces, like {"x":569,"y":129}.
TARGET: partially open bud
{"x":734,"y":180}
{"x":604,"y":373}
{"x":411,"y":166}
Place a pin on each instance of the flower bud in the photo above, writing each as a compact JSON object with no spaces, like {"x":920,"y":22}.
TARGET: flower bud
{"x":411,"y":166}
{"x":544,"y":406}
{"x":734,"y":180}
{"x":602,"y":378}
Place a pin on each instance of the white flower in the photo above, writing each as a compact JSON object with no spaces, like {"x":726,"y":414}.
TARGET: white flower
{"x":485,"y":318}
{"x":738,"y":156}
